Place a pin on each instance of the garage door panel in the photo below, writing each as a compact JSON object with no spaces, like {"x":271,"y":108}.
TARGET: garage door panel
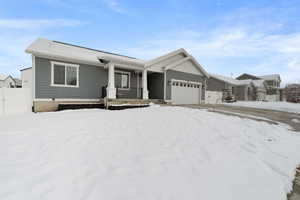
{"x":186,"y":93}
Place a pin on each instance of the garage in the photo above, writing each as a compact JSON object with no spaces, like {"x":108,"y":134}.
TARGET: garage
{"x":186,"y":92}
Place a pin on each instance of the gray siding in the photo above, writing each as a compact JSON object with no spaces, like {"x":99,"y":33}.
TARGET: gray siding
{"x":215,"y":85}
{"x":132,"y":93}
{"x":91,"y":81}
{"x":156,"y":85}
{"x":171,"y":74}
{"x":241,"y":93}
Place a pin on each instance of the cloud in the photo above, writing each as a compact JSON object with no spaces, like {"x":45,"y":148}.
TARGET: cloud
{"x":12,"y":53}
{"x":232,"y":50}
{"x":38,"y":23}
{"x":115,"y":6}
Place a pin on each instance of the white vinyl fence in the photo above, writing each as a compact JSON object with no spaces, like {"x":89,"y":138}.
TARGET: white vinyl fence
{"x":272,"y":97}
{"x":212,"y":97}
{"x":15,"y":101}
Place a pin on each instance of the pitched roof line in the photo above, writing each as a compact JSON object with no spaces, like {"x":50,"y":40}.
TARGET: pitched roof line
{"x":92,"y":49}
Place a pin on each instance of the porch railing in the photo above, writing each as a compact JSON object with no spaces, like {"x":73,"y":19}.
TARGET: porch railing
{"x":126,"y":94}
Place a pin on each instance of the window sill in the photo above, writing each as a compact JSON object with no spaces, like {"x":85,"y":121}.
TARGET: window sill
{"x":65,"y":86}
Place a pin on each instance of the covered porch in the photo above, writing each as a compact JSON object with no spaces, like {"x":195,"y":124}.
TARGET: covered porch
{"x":126,"y":82}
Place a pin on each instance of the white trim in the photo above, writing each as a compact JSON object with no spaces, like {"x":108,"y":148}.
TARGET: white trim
{"x":60,"y":99}
{"x":199,"y":86}
{"x":137,"y":84}
{"x":187,"y":82}
{"x":66,"y":59}
{"x":163,"y":57}
{"x":66,"y":65}
{"x":129,"y":78}
{"x":33,"y":76}
{"x":176,"y":63}
{"x":145,"y":85}
{"x":165,"y":85}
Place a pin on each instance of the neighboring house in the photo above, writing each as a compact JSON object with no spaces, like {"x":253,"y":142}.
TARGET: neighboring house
{"x":248,"y":89}
{"x":68,"y":73}
{"x":241,"y":90}
{"x":8,"y":81}
{"x":292,"y":93}
{"x":272,"y":83}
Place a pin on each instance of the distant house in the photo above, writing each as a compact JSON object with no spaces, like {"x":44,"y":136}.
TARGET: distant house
{"x":243,"y":90}
{"x":271,"y":81}
{"x":8,"y":81}
{"x":246,"y":87}
{"x":292,"y":92}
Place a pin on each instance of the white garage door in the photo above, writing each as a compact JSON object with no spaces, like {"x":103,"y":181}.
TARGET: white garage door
{"x":185,"y":92}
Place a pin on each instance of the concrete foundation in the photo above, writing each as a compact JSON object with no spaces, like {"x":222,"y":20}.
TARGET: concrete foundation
{"x":48,"y":106}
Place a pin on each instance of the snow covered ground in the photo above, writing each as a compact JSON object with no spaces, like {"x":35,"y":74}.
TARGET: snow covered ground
{"x":150,"y":153}
{"x":280,"y":106}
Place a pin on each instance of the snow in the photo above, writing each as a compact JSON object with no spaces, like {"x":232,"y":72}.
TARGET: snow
{"x":296,"y":120}
{"x":228,"y":79}
{"x":147,"y":153}
{"x":279,"y":106}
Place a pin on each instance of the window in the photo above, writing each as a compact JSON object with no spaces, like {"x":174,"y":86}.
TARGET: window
{"x":122,"y":79}
{"x":232,"y":90}
{"x":64,"y":74}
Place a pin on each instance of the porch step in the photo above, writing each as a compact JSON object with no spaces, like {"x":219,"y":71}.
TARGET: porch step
{"x":74,"y":106}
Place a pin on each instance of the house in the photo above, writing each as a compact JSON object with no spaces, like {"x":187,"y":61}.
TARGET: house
{"x":241,"y":90}
{"x":272,"y":83}
{"x":247,"y":87}
{"x":66,"y":73}
{"x":292,"y":93}
{"x":8,"y":81}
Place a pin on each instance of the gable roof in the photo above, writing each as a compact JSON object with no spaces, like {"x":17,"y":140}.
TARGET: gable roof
{"x":229,"y":80}
{"x":166,"y":56}
{"x":187,"y":57}
{"x":61,"y":50}
{"x":271,"y":77}
{"x":249,"y":76}
{"x":259,"y":83}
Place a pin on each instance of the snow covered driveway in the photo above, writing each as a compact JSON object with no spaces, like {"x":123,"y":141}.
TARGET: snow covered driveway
{"x":279,"y":106}
{"x":150,"y":153}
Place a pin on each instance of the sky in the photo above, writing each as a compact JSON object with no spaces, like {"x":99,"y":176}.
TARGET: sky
{"x":226,"y":37}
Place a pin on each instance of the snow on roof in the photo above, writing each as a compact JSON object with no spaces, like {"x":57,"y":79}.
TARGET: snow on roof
{"x":230,"y":80}
{"x":3,"y":77}
{"x":57,"y":49}
{"x":271,"y":77}
{"x":258,"y":83}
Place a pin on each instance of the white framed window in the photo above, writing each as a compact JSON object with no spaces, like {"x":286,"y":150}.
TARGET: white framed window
{"x":122,"y":80}
{"x":64,"y":74}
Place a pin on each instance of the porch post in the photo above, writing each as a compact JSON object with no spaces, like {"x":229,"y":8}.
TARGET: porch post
{"x":145,"y":87}
{"x":111,"y":90}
